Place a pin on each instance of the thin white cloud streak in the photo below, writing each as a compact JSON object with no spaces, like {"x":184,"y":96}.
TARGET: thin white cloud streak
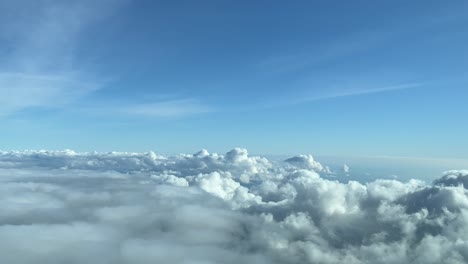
{"x":172,"y":108}
{"x":153,"y":109}
{"x":40,"y":70}
{"x":19,"y":91}
{"x":356,"y":92}
{"x":356,"y":42}
{"x":323,"y":53}
{"x":288,"y":100}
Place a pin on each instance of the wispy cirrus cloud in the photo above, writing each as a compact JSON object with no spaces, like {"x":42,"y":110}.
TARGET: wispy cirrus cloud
{"x":21,"y":91}
{"x":360,"y":91}
{"x":161,"y":108}
{"x":322,"y":53}
{"x":38,"y":68}
{"x":303,"y":96}
{"x":171,"y":108}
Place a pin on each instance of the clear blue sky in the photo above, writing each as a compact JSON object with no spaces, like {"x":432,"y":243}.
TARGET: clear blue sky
{"x":276,"y":77}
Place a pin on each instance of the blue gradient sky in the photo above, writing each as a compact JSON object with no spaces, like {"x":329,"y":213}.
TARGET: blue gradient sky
{"x":356,"y":78}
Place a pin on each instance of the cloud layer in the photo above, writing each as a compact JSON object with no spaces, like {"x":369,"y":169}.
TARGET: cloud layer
{"x":68,"y":207}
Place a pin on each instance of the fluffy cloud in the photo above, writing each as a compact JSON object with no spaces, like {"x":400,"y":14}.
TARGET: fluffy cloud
{"x":307,"y":162}
{"x":68,"y":207}
{"x":345,"y":169}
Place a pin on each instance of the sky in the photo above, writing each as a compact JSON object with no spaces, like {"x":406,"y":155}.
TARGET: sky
{"x":261,"y":131}
{"x":348,"y":78}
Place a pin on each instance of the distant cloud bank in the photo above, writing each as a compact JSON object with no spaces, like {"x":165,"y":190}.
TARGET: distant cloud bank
{"x":68,"y":207}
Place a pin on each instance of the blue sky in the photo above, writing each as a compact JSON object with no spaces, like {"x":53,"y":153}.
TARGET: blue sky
{"x":355,"y":78}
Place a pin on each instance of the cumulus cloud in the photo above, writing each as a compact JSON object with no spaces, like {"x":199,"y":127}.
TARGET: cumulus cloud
{"x":307,"y":162}
{"x":345,"y":169}
{"x":119,"y":207}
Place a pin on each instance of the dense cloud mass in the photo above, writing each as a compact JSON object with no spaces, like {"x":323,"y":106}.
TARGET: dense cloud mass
{"x":68,"y":207}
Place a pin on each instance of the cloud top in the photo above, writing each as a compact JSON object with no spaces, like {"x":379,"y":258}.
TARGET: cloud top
{"x":118,"y":207}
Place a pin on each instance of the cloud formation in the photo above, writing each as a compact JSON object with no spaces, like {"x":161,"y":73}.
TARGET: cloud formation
{"x":38,"y":67}
{"x":69,"y":207}
{"x":359,"y":91}
{"x":172,"y":108}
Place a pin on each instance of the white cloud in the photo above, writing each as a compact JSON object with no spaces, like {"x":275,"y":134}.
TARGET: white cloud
{"x":64,"y":206}
{"x":19,"y":91}
{"x":173,"y":108}
{"x":359,"y":91}
{"x":307,"y":162}
{"x":346,"y":169}
{"x":39,"y":69}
